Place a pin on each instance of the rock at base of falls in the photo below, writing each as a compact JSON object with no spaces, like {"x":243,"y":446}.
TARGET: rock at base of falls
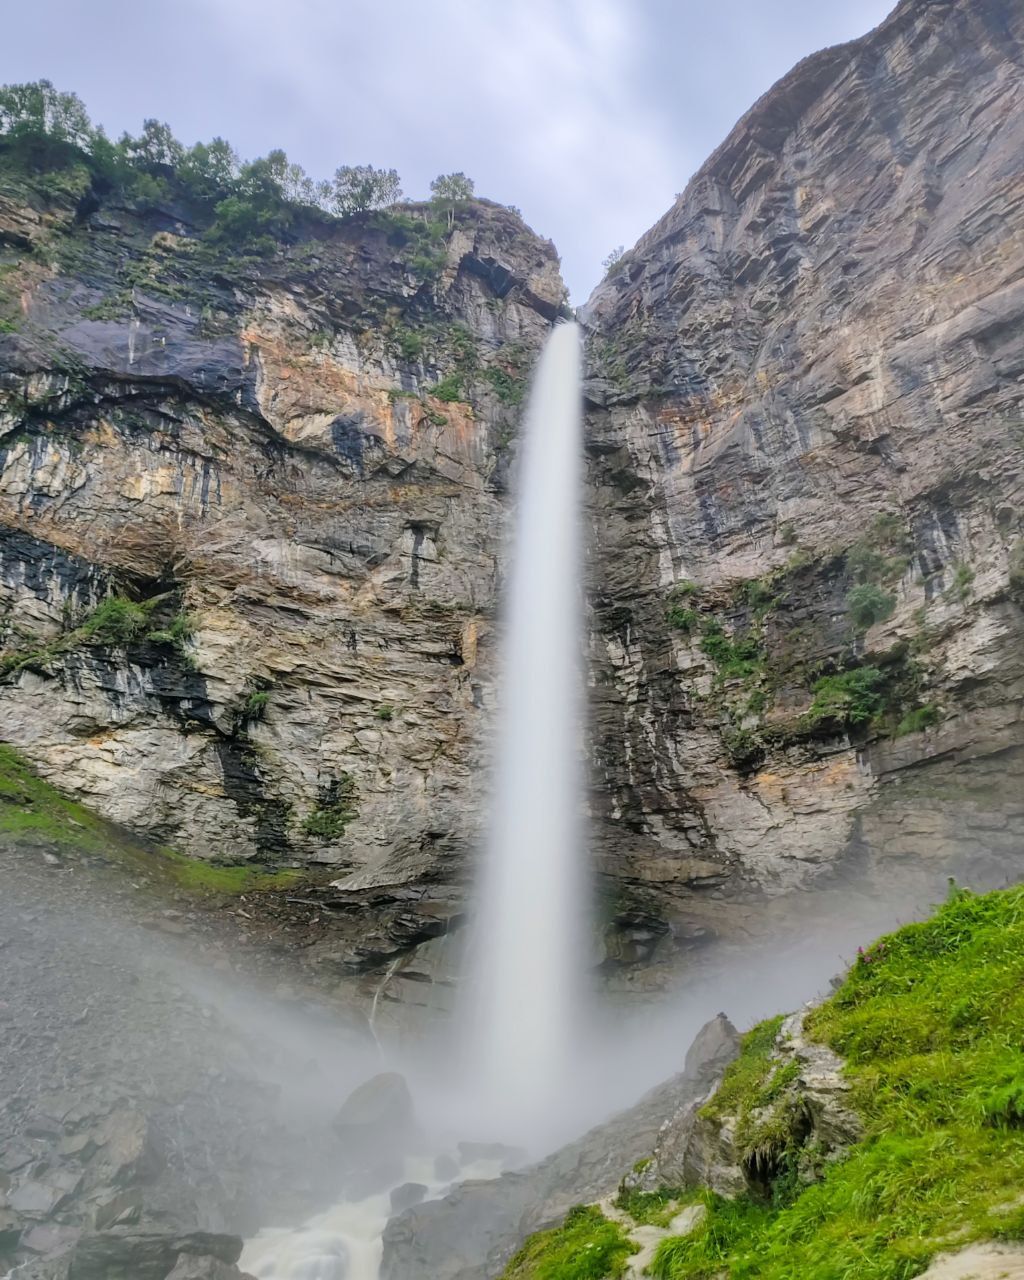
{"x":472,"y":1232}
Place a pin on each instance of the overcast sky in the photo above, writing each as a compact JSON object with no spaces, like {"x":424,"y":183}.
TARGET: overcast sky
{"x":588,"y":114}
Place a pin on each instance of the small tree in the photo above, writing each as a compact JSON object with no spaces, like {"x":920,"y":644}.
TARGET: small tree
{"x":613,"y":259}
{"x":450,"y":189}
{"x":358,"y":188}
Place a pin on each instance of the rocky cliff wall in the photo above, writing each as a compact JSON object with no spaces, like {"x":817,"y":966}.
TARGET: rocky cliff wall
{"x":806,"y":435}
{"x":284,"y":472}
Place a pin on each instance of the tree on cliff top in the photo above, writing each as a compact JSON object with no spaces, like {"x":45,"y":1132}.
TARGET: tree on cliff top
{"x":40,"y":122}
{"x":360,"y":187}
{"x":449,"y":189}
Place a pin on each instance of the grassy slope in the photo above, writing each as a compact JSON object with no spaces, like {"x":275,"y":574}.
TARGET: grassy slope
{"x":931,"y":1023}
{"x":587,"y":1246}
{"x":33,"y":812}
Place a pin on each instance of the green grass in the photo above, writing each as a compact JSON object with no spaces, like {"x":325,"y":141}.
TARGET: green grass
{"x":931,"y":1023}
{"x":30,"y":809}
{"x":710,"y":1247}
{"x":207,"y":877}
{"x":33,"y":812}
{"x":587,"y":1246}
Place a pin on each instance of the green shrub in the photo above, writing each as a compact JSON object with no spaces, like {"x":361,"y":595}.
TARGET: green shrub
{"x":869,"y":604}
{"x":385,"y":712}
{"x":508,"y":387}
{"x":449,"y":388}
{"x":116,"y":621}
{"x":255,"y":705}
{"x":760,"y":595}
{"x":409,"y":343}
{"x":681,"y":619}
{"x":334,"y":810}
{"x":960,"y":587}
{"x":743,"y":747}
{"x":176,"y":634}
{"x":757,"y":702}
{"x":865,"y":563}
{"x":850,"y":698}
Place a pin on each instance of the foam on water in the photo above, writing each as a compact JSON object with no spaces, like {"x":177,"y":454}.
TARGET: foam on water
{"x":346,"y":1241}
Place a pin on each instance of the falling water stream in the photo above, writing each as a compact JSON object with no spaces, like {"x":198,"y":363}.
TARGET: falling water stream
{"x":527,"y":955}
{"x":526,"y":959}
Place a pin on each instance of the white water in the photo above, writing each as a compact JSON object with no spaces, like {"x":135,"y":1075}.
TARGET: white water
{"x":346,"y":1241}
{"x":529,"y":946}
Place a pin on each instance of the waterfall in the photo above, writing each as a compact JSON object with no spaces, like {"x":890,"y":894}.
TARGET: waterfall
{"x":528,"y":951}
{"x":520,"y":1017}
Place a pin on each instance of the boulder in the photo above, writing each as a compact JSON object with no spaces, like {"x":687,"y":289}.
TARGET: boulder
{"x":405,"y":1196}
{"x":699,"y":1150}
{"x":128,"y":1149}
{"x":133,"y":1254}
{"x":380,"y":1106}
{"x":190,"y":1267}
{"x":40,"y":1197}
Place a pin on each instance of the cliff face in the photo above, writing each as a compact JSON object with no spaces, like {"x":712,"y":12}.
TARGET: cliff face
{"x":288,"y":470}
{"x":807,"y":445}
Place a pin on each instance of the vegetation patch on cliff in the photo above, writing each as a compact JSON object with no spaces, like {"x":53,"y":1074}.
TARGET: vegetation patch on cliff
{"x":114,"y":623}
{"x":930,"y":1021}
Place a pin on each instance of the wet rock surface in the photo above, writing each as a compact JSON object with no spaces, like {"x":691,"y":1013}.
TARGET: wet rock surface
{"x":812,"y":1120}
{"x":806,"y":379}
{"x":150,"y":1091}
{"x":259,"y":444}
